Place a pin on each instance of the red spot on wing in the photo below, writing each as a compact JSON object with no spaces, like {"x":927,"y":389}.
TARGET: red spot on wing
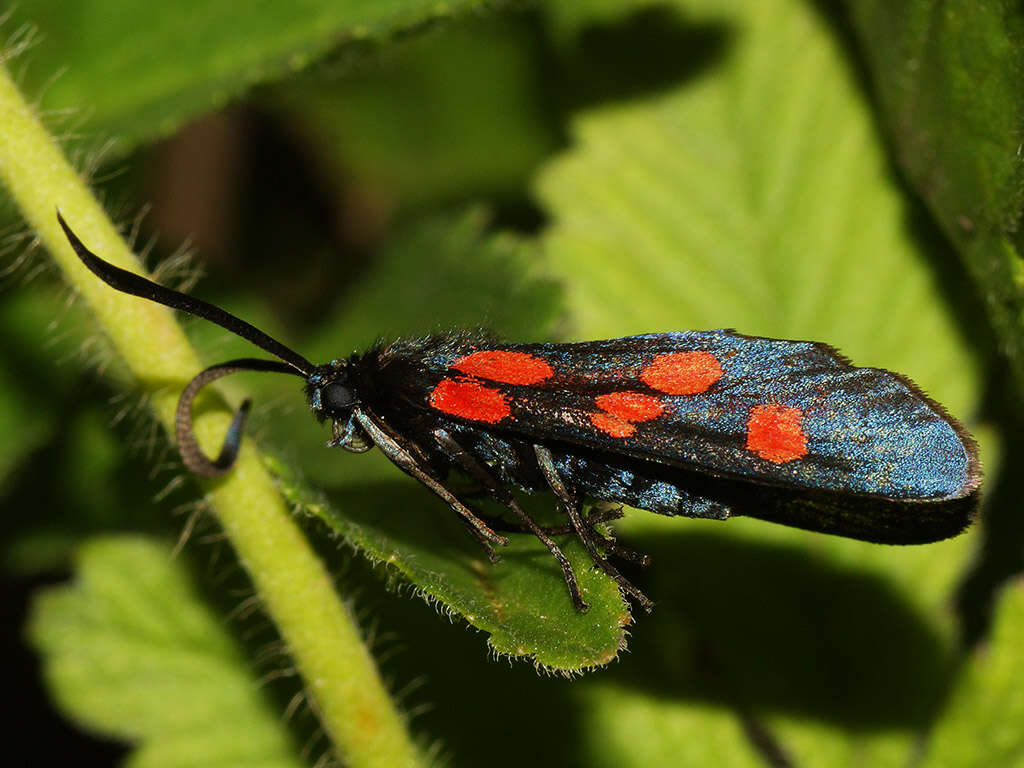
{"x":612,"y":425}
{"x":774,"y":433}
{"x":682,"y":373}
{"x":503,"y":366}
{"x":470,"y":400}
{"x":620,"y":410}
{"x":631,"y":406}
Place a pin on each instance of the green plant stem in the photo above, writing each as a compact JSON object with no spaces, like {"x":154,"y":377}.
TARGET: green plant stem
{"x":294,"y":587}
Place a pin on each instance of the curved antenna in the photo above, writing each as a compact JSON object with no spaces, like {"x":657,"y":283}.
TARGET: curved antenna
{"x":184,"y":429}
{"x":136,"y":285}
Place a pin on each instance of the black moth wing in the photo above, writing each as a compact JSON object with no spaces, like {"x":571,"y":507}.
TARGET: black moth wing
{"x":863,"y":434}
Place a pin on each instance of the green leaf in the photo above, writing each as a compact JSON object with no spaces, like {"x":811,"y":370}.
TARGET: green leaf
{"x":981,"y":725}
{"x":135,"y":71}
{"x":520,"y":602}
{"x":947,"y":75}
{"x":131,"y":651}
{"x":440,"y":116}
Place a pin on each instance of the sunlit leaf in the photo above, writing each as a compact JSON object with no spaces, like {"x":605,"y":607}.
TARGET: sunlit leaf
{"x":135,"y":71}
{"x":130,"y":650}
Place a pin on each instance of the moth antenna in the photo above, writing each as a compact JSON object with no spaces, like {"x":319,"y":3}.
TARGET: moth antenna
{"x":136,"y":285}
{"x":184,"y":429}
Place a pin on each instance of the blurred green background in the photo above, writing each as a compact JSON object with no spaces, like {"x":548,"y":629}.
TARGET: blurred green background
{"x":343,"y":172}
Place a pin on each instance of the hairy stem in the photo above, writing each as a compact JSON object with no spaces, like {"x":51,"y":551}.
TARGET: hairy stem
{"x":296,"y":590}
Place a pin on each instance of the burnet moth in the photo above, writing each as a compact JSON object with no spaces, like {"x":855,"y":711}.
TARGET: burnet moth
{"x":711,"y":424}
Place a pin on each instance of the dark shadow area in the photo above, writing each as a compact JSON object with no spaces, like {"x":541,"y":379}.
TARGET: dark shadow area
{"x":408,"y":515}
{"x":411,"y":515}
{"x":40,"y":730}
{"x":72,"y":484}
{"x":519,"y":215}
{"x":768,"y":629}
{"x":1002,"y":550}
{"x":275,"y":203}
{"x":651,"y":50}
{"x":37,"y":506}
{"x":959,"y":291}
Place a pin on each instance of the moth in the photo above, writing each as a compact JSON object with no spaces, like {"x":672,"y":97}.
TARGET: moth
{"x":711,"y":424}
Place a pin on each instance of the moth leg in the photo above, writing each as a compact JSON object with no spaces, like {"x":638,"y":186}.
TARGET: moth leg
{"x":404,"y":460}
{"x":585,"y":533}
{"x":478,"y":472}
{"x":605,"y":514}
{"x":614,"y":548}
{"x":595,"y":517}
{"x":493,"y":556}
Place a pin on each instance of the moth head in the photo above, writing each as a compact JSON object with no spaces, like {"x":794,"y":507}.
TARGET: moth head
{"x":330,"y":392}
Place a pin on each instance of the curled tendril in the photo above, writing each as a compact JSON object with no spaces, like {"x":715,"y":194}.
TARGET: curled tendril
{"x":184,"y":428}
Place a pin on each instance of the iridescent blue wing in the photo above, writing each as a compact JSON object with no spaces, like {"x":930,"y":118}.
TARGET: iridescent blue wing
{"x":788,"y":414}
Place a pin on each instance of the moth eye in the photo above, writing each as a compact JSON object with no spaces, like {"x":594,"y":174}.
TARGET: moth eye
{"x":338,"y":397}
